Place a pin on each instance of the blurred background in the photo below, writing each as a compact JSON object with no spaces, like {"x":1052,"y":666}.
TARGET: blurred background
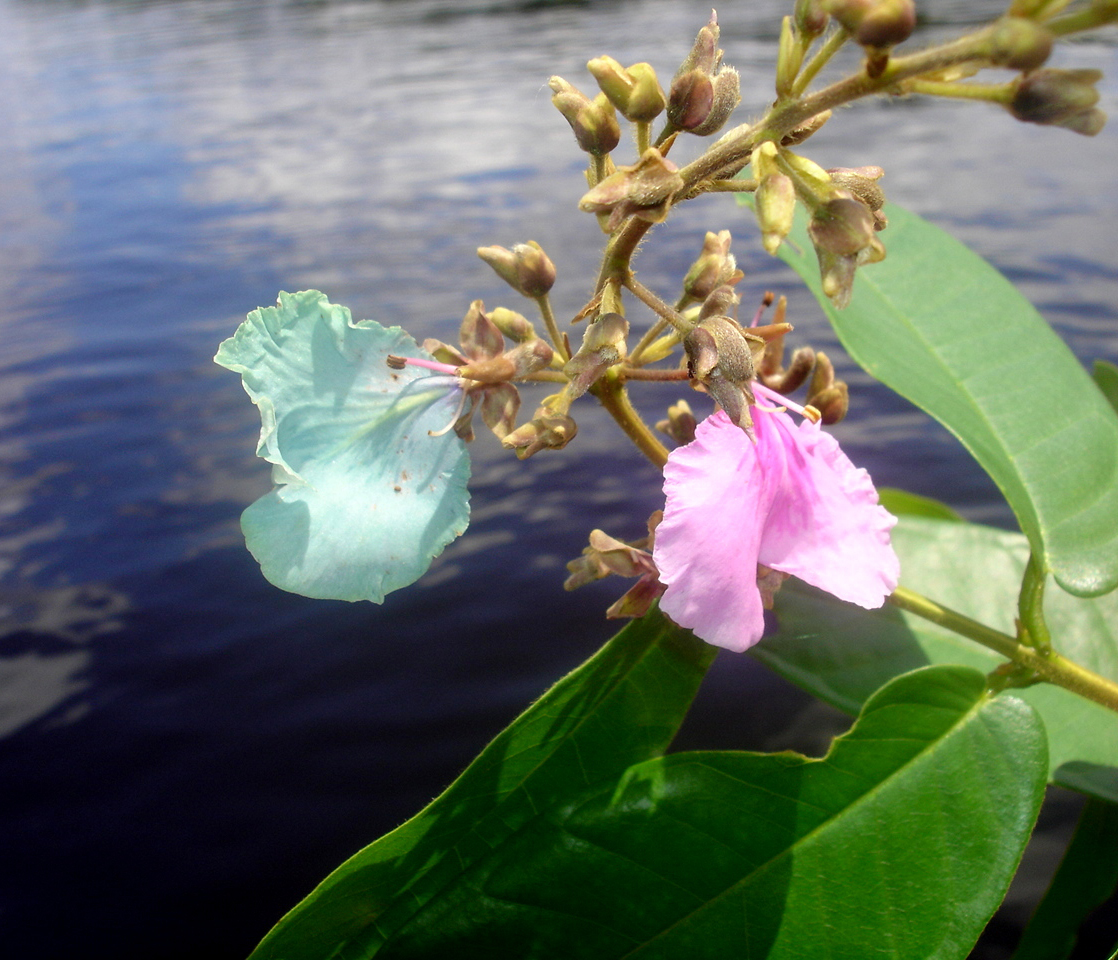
{"x":185,"y":750}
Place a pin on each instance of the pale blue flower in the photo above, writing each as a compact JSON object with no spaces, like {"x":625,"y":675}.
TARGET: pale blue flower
{"x":366,"y":495}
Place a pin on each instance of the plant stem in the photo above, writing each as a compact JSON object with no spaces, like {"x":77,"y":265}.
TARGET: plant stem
{"x":1049,"y":666}
{"x":1030,"y":607}
{"x":822,"y":56}
{"x":990,"y":92}
{"x":548,"y":315}
{"x":611,"y":393}
{"x":658,"y":306}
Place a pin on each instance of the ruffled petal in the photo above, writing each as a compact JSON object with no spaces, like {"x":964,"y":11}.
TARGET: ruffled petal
{"x":365,"y":498}
{"x":706,"y":549}
{"x":825,"y":524}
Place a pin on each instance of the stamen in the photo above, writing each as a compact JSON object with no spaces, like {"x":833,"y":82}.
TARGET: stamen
{"x":454,"y":419}
{"x":808,"y":413}
{"x":398,"y":363}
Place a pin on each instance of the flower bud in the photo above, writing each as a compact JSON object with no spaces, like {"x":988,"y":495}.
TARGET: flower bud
{"x":547,"y":430}
{"x":703,"y":93}
{"x":513,"y":325}
{"x":805,"y":130}
{"x":775,"y":207}
{"x":525,"y":268}
{"x":862,"y":182}
{"x":644,"y":189}
{"x":635,"y":91}
{"x":789,"y":57}
{"x":681,"y":423}
{"x":603,"y":345}
{"x":594,"y":122}
{"x":1019,"y":44}
{"x":874,"y":23}
{"x":794,"y":375}
{"x":715,"y":267}
{"x":811,"y":18}
{"x":720,"y":357}
{"x":722,"y":302}
{"x":478,"y":335}
{"x":842,"y":226}
{"x":1061,"y":98}
{"x":832,"y":403}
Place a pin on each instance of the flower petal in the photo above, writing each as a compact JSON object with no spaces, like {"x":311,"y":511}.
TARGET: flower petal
{"x":364,"y":497}
{"x":825,"y":525}
{"x":706,"y":549}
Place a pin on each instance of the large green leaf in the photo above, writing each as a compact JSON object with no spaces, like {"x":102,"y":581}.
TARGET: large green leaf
{"x":843,"y":653}
{"x":943,"y":328}
{"x":620,"y":707}
{"x":899,"y":843}
{"x":1086,"y":877}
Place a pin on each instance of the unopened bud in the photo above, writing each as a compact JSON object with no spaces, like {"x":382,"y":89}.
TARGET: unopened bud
{"x":635,"y":91}
{"x":546,"y":431}
{"x":594,"y":122}
{"x":530,"y":356}
{"x":797,"y":371}
{"x":1019,"y":44}
{"x":775,"y":208}
{"x":703,"y":93}
{"x":842,"y":226}
{"x":644,"y":190}
{"x":681,"y":423}
{"x":603,"y":345}
{"x":837,"y":274}
{"x":862,"y":182}
{"x":720,"y":357}
{"x":513,"y":325}
{"x":811,"y":18}
{"x":1061,"y":98}
{"x":875,"y":23}
{"x":478,"y":335}
{"x":525,"y":268}
{"x":789,"y":57}
{"x":715,"y":267}
{"x":721,"y":302}
{"x":803,"y":131}
{"x":832,"y":403}
{"x":444,"y":352}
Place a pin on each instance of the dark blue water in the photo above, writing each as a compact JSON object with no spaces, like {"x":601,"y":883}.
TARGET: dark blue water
{"x":185,"y":750}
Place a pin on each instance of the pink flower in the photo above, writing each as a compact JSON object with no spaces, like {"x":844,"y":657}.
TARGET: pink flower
{"x":792,"y":502}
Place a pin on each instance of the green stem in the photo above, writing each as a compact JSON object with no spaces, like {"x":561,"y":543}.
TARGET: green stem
{"x":1030,"y":607}
{"x":658,"y":306}
{"x":647,"y":340}
{"x":643,"y":132}
{"x":822,"y":57}
{"x":1049,"y":666}
{"x":990,"y":92}
{"x":548,"y":315}
{"x":1086,"y":19}
{"x":611,"y":393}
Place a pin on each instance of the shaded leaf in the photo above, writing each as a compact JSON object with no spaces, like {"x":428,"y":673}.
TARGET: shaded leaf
{"x":899,"y":843}
{"x":843,"y":653}
{"x":943,"y":328}
{"x":902,"y":503}
{"x":1086,"y":877}
{"x":1106,"y":376}
{"x":620,"y":707}
{"x":364,"y":497}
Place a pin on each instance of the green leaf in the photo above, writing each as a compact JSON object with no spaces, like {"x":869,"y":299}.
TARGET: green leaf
{"x":943,"y":328}
{"x":1088,"y":778}
{"x":1106,"y":377}
{"x":901,"y":503}
{"x":899,"y":843}
{"x":620,"y":707}
{"x":843,"y":653}
{"x":1086,"y":877}
{"x":365,"y":498}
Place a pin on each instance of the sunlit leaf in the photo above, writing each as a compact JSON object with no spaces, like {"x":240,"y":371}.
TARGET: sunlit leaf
{"x":365,"y":498}
{"x":902,"y":503}
{"x":620,"y":707}
{"x":899,"y":844}
{"x":943,"y":328}
{"x":843,"y":653}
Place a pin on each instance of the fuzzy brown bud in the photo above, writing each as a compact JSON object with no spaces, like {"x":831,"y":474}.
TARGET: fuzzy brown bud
{"x":644,"y":190}
{"x":681,"y":423}
{"x":715,"y":267}
{"x":594,"y":122}
{"x":1019,"y":44}
{"x":703,"y":93}
{"x":603,"y":345}
{"x":811,"y":18}
{"x":862,"y":182}
{"x":875,"y":23}
{"x":478,"y":335}
{"x":513,"y":325}
{"x":546,"y":431}
{"x":634,"y":91}
{"x":842,"y":226}
{"x":525,"y":268}
{"x":720,"y":357}
{"x":1061,"y":98}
